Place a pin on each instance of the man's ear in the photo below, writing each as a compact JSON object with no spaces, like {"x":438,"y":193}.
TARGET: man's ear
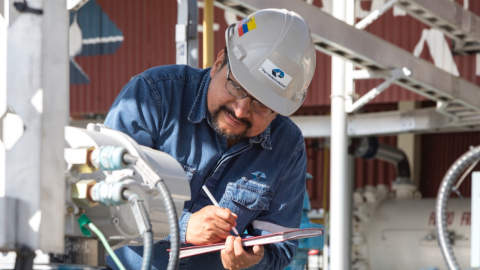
{"x":218,"y":63}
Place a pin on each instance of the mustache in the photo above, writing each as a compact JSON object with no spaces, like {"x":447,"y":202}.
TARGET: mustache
{"x":232,"y":115}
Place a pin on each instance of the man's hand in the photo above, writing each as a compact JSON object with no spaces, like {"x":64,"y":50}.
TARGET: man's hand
{"x":211,"y":224}
{"x":235,"y":257}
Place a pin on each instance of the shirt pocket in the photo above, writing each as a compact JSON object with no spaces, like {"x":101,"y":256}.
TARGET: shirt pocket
{"x":247,"y":199}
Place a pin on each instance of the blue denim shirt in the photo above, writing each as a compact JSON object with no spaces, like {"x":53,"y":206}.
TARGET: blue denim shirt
{"x":261,"y":178}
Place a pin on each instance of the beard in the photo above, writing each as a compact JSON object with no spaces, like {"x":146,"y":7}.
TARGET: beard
{"x":213,"y":117}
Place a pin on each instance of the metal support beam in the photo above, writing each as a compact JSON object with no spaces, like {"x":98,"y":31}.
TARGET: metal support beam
{"x":375,"y":14}
{"x":34,"y":111}
{"x":394,"y":75}
{"x":186,"y":35}
{"x":426,"y":120}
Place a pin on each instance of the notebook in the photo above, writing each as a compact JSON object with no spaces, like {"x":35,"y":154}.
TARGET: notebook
{"x":252,"y":241}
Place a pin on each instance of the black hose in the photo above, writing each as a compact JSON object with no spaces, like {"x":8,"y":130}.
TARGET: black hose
{"x":173,"y":223}
{"x":452,"y":175}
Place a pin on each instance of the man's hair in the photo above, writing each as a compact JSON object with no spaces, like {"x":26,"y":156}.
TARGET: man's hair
{"x":225,"y":57}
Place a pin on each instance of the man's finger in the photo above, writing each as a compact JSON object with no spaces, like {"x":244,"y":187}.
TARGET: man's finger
{"x":222,"y":233}
{"x":229,"y":248}
{"x":226,"y":214}
{"x":258,"y":250}
{"x":237,"y":244}
{"x":223,"y":225}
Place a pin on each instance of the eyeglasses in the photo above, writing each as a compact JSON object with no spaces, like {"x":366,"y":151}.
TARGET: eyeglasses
{"x":238,"y":92}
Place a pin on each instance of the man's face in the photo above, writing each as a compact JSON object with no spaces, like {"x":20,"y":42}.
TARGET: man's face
{"x":232,"y":118}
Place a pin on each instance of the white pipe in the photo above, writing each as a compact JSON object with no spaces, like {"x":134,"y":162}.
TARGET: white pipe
{"x":3,"y":95}
{"x":395,"y":74}
{"x":340,"y":188}
{"x":371,"y":95}
{"x":374,"y":15}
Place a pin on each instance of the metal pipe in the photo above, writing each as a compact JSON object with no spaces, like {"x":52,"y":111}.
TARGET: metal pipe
{"x":374,"y":15}
{"x":368,"y":148}
{"x":394,"y":75}
{"x":396,"y":156}
{"x":371,"y":95}
{"x":340,"y":192}
{"x":207,"y":33}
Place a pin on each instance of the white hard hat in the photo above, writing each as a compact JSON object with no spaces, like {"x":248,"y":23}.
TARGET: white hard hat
{"x":272,"y":56}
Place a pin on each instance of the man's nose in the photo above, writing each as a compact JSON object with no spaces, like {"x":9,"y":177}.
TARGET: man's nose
{"x":242,"y":107}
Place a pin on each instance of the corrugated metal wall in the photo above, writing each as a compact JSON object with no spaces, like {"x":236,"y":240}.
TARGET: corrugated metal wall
{"x":148,"y":28}
{"x":439,"y":152}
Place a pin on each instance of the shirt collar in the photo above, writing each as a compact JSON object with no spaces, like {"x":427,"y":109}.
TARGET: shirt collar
{"x":263,"y":138}
{"x":199,"y":111}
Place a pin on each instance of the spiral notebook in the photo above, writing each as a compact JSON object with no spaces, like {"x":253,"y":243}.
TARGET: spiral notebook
{"x":252,"y":241}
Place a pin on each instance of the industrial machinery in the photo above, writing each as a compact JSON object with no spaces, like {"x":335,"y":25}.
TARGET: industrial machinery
{"x":395,"y":232}
{"x":112,"y":183}
{"x":398,"y":230}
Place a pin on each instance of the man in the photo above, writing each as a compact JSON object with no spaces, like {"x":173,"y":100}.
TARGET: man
{"x":223,"y":126}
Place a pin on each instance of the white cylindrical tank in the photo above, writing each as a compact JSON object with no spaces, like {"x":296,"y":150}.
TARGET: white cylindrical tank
{"x":395,"y":234}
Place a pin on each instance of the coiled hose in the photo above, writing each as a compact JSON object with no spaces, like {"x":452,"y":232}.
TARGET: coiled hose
{"x":452,"y":175}
{"x":174,"y":231}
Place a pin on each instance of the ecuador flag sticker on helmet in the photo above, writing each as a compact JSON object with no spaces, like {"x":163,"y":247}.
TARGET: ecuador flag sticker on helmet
{"x":246,"y":25}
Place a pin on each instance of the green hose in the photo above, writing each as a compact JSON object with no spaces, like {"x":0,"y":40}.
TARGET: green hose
{"x":106,"y":245}
{"x":84,"y":220}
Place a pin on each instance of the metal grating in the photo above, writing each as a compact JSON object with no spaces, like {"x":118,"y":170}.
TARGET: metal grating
{"x":461,"y":25}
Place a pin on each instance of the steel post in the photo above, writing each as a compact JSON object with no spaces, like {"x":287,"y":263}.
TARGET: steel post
{"x":340,"y":185}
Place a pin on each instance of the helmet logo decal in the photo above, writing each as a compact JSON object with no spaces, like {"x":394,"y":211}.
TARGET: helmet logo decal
{"x":275,"y":74}
{"x":246,"y":25}
{"x":278,"y":73}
